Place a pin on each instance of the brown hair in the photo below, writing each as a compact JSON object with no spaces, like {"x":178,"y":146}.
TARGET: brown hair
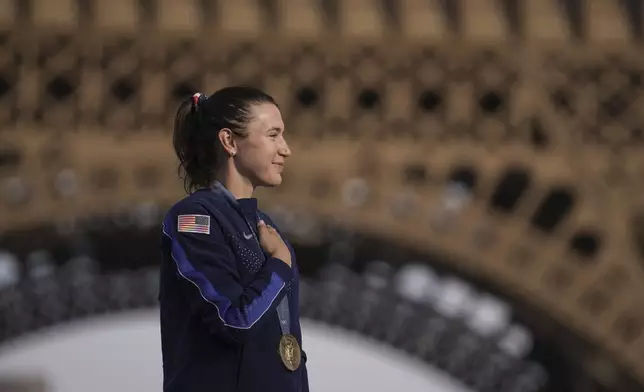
{"x":196,"y":131}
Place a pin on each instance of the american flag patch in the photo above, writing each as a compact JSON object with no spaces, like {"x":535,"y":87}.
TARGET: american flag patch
{"x":193,"y":224}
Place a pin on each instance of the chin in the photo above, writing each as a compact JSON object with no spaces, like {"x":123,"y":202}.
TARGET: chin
{"x":272,"y":182}
{"x":277,"y":181}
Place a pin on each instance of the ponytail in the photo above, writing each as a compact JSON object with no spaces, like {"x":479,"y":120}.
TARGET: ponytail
{"x":194,"y":145}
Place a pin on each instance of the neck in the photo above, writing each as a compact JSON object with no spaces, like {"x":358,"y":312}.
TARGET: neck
{"x":238,"y":186}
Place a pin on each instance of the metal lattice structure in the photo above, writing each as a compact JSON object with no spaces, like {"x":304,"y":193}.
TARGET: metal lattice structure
{"x":535,"y":105}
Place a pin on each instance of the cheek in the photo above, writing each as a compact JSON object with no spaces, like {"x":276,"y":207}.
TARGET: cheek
{"x":266,"y":151}
{"x":261,"y":156}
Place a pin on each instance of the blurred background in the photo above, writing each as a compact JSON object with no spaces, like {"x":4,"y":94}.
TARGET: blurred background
{"x":465,"y":193}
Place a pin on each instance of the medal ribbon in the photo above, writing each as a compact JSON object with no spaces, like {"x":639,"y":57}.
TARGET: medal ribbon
{"x":283,"y":311}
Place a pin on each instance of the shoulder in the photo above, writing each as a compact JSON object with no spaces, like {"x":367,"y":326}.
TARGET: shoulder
{"x":202,"y":202}
{"x":202,"y":206}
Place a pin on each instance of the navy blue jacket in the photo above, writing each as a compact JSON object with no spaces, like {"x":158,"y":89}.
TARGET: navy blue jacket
{"x":218,"y":298}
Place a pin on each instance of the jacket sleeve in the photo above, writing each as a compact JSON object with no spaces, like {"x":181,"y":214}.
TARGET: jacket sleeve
{"x":208,"y":268}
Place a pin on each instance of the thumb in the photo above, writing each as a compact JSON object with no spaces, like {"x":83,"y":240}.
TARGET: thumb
{"x":261,"y":225}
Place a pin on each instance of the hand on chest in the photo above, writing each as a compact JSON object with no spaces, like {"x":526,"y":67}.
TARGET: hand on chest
{"x":247,"y":250}
{"x":245,"y":245}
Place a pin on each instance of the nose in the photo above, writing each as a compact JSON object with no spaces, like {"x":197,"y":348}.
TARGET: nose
{"x":284,"y":149}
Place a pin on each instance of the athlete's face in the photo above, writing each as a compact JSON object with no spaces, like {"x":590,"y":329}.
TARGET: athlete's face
{"x":261,"y":155}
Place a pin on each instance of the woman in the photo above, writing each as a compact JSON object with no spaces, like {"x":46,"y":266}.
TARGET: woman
{"x":229,"y":283}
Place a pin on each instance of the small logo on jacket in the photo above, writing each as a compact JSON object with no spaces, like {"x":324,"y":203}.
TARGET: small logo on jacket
{"x":248,"y":236}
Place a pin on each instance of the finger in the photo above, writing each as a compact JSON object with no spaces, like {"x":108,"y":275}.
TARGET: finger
{"x":274,"y":232}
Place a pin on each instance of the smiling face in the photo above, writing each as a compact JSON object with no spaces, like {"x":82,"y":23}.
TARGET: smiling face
{"x":261,"y":155}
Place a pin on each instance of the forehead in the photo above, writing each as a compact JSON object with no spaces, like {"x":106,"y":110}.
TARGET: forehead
{"x":266,"y":115}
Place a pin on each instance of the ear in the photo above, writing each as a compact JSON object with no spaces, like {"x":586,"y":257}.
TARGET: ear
{"x":227,"y":141}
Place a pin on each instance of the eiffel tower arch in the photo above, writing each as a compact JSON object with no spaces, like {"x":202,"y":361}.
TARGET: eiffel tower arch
{"x":532,"y":108}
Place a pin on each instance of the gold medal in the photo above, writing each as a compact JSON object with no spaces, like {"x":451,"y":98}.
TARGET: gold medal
{"x":290,"y":352}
